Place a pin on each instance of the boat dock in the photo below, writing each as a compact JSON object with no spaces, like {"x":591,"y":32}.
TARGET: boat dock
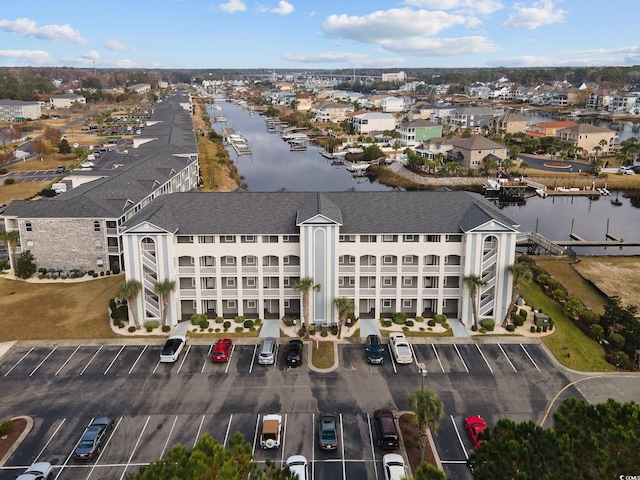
{"x":239,"y":144}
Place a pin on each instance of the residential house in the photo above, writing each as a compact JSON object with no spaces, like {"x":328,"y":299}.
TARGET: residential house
{"x":435,"y":148}
{"x":569,"y":97}
{"x":368,"y":122}
{"x":600,"y":99}
{"x":587,"y":137}
{"x":548,"y":129}
{"x":66,"y":100}
{"x":18,"y":110}
{"x":509,"y":123}
{"x":626,"y":101}
{"x":474,"y":151}
{"x":330,"y":112}
{"x":304,"y":102}
{"x":414,"y":132}
{"x":473,"y":117}
{"x":392,"y":104}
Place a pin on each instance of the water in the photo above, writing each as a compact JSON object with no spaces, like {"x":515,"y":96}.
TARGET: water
{"x":272,"y":167}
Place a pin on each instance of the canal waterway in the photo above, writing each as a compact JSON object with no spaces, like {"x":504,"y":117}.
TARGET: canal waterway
{"x":272,"y":166}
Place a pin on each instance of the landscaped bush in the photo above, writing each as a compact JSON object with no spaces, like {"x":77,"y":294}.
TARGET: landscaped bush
{"x":248,"y":323}
{"x":596,"y":332}
{"x":538,"y":329}
{"x":239,"y":319}
{"x":6,"y":427}
{"x":116,"y":269}
{"x":533,"y":329}
{"x":385,"y":323}
{"x":334,"y":330}
{"x":312,"y":329}
{"x":419,"y":319}
{"x":523,"y":313}
{"x":91,"y":272}
{"x":95,"y":275}
{"x":9,"y":181}
{"x":257,"y":321}
{"x":518,"y":320}
{"x":166,"y":328}
{"x":324,"y":333}
{"x":474,"y":328}
{"x":204,"y":323}
{"x":431,"y":322}
{"x":102,"y":274}
{"x":409,"y":323}
{"x":511,"y":328}
{"x":287,"y":320}
{"x":219,"y":320}
{"x":440,"y":318}
{"x":589,"y":317}
{"x":483,"y":330}
{"x":488,"y":323}
{"x":239,"y":329}
{"x":151,"y":324}
{"x":226,"y":325}
{"x":616,"y":340}
{"x":131,"y":329}
{"x":399,"y":318}
{"x":196,"y":318}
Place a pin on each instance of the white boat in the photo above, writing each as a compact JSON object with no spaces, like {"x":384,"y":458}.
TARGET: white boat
{"x":542,"y":192}
{"x":358,"y":167}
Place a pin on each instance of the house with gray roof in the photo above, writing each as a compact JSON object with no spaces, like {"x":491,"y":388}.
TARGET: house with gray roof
{"x":473,"y":152}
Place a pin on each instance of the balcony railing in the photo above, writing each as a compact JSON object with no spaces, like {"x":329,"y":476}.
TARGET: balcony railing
{"x":207,"y":270}
{"x":187,"y":270}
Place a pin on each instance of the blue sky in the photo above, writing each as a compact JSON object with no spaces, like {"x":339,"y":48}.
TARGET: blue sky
{"x":306,"y":34}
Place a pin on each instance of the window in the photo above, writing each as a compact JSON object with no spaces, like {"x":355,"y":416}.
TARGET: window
{"x":27,"y":226}
{"x":251,"y":281}
{"x":99,"y":262}
{"x":432,"y":238}
{"x":432,"y":260}
{"x":389,"y":238}
{"x":29,"y":244}
{"x":452,"y":260}
{"x":207,"y":261}
{"x":185,"y":238}
{"x":96,"y":226}
{"x":407,"y":303}
{"x":407,"y":281}
{"x":368,"y":260}
{"x":230,"y":281}
{"x":387,"y":281}
{"x":206,"y":239}
{"x":250,"y":260}
{"x":347,"y":238}
{"x":228,"y":239}
{"x":251,"y":304}
{"x":270,"y":261}
{"x":229,"y":260}
{"x":231,"y":304}
{"x":285,"y":260}
{"x":269,"y":239}
{"x":409,"y":260}
{"x":387,"y":259}
{"x":248,"y":239}
{"x":453,"y":238}
{"x":287,"y":304}
{"x":341,"y":281}
{"x":368,"y":238}
{"x":409,"y":238}
{"x":291,"y":238}
{"x":286,"y":281}
{"x":98,"y":244}
{"x":386,"y":303}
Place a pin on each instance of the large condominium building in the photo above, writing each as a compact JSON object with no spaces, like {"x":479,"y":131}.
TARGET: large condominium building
{"x":17,"y":110}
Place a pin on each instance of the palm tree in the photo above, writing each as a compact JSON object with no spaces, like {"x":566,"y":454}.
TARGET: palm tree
{"x":428,"y":411}
{"x":524,"y":166}
{"x":163,"y":289}
{"x":521,"y":273}
{"x":128,"y":291}
{"x":304,"y":285}
{"x":474,"y":282}
{"x":345,"y":307}
{"x":10,"y":239}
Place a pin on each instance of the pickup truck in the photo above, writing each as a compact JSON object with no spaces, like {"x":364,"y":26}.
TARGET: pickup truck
{"x":400,"y":347}
{"x":271,"y":431}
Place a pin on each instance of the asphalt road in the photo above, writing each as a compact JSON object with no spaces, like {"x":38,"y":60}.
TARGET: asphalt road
{"x":157,"y":405}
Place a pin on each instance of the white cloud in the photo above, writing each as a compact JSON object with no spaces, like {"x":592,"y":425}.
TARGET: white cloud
{"x":39,"y":57}
{"x":115,"y":45}
{"x":57,"y":33}
{"x":91,"y":55}
{"x":540,"y":14}
{"x":441,"y":47}
{"x":593,"y":57}
{"x":233,"y":6}
{"x":474,"y":7}
{"x":283,"y":8}
{"x":396,"y":23}
{"x":343,"y":58}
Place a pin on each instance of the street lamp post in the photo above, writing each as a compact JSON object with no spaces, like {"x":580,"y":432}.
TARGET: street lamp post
{"x":422,"y":369}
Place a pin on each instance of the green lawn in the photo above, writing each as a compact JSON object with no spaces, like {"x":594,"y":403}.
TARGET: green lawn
{"x":568,"y":344}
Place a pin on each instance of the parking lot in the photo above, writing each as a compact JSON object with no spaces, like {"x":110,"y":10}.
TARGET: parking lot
{"x":156,"y":405}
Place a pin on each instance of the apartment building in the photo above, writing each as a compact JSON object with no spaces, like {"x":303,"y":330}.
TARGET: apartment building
{"x":18,"y":110}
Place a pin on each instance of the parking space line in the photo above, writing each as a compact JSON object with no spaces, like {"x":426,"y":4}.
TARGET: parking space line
{"x":466,"y":455}
{"x":50,"y":438}
{"x":226,"y":434}
{"x":114,"y":360}
{"x":166,"y":444}
{"x":18,"y":362}
{"x":344,"y":463}
{"x":393,"y":361}
{"x":413,"y":353}
{"x":184,"y":357}
{"x":206,"y":360}
{"x":437,"y":357}
{"x":253,"y":358}
{"x":461,"y":359}
{"x":373,"y":447}
{"x":199,"y":430}
{"x":507,"y":357}
{"x":135,"y":447}
{"x":156,"y":367}
{"x":137,"y":359}
{"x":67,"y":360}
{"x":484,"y":358}
{"x":255,"y":436}
{"x":91,"y":359}
{"x":44,"y":360}
{"x":531,"y":359}
{"x":283,"y":439}
{"x":313,"y":450}
{"x":233,"y":349}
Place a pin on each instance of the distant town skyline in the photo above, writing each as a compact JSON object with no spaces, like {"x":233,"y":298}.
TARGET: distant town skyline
{"x":327,"y":34}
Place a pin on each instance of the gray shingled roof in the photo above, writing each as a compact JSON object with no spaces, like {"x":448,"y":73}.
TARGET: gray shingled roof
{"x":475,"y":142}
{"x":270,"y":213}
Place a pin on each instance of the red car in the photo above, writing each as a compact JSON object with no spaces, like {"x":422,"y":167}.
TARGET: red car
{"x":475,"y":426}
{"x":222,"y":350}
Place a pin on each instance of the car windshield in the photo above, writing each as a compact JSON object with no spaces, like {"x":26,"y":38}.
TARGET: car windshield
{"x":86,"y":444}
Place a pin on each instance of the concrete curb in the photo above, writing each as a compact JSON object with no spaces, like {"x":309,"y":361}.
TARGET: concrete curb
{"x":19,"y":440}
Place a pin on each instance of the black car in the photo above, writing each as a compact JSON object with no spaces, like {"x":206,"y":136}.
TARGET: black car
{"x":374,"y":349}
{"x":328,"y":431}
{"x":294,"y":353}
{"x":93,"y":438}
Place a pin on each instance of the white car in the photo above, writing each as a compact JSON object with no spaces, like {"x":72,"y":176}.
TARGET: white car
{"x":298,"y":464}
{"x":86,"y":164}
{"x":394,"y":467}
{"x":627,"y":171}
{"x":400,"y":348}
{"x":271,"y":431}
{"x":172,"y":348}
{"x":37,"y":471}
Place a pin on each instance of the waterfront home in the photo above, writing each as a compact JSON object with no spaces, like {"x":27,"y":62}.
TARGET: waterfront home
{"x":473,"y":117}
{"x":509,"y":123}
{"x":472,"y":152}
{"x":626,"y":101}
{"x":417,"y":131}
{"x":368,"y":122}
{"x":548,"y":129}
{"x":587,"y":137}
{"x":330,"y":112}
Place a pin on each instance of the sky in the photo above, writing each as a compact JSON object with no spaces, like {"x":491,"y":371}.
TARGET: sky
{"x":319,"y":34}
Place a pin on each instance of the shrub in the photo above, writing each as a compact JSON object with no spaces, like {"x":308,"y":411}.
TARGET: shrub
{"x":324,"y":333}
{"x":121,"y":325}
{"x":533,"y":329}
{"x":488,"y":323}
{"x":196,"y":318}
{"x":287,"y":320}
{"x":115,"y":269}
{"x":210,"y":330}
{"x":151,"y":324}
{"x":257,"y":321}
{"x":166,"y":328}
{"x":248,"y":324}
{"x":204,"y":323}
{"x":399,"y":318}
{"x":108,"y":272}
{"x":9,"y":181}
{"x":409,"y":323}
{"x":538,"y":329}
{"x":334,"y":330}
{"x":431,"y":322}
{"x":239,"y":329}
{"x":312,"y":329}
{"x":559,"y":294}
{"x":616,"y":340}
{"x":301,"y":332}
{"x":25,"y":265}
{"x":589,"y":317}
{"x":511,"y":328}
{"x":483,"y":330}
{"x":419,"y":319}
{"x":474,"y":328}
{"x":102,"y":274}
{"x":95,"y":275}
{"x":226,"y":324}
{"x":6,"y":427}
{"x":386,"y":323}
{"x":149,"y":329}
{"x":219,"y":320}
{"x":131,"y":329}
{"x":522,"y":313}
{"x":91,"y":272}
{"x":405,"y":328}
{"x":446,"y":325}
{"x":440,"y":318}
{"x":518,"y":320}
{"x":596,"y":332}
{"x":239,"y":319}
